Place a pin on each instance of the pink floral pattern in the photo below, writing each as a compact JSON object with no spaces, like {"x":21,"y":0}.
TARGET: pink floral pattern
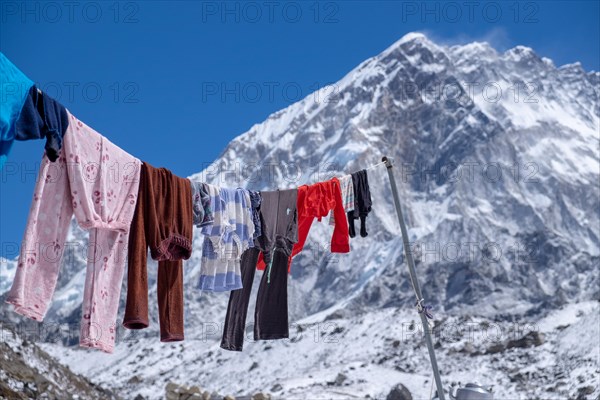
{"x":83,"y":182}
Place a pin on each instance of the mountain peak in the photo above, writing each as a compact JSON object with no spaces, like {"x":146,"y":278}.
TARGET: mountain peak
{"x":412,"y":37}
{"x":576,"y":66}
{"x":466,"y":52}
{"x":519,"y":53}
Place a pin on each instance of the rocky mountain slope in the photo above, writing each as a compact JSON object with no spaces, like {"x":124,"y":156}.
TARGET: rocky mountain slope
{"x":28,"y":372}
{"x":497,"y":161}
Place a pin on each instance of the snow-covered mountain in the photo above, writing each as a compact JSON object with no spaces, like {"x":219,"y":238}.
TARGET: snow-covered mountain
{"x":28,"y":372}
{"x":497,"y":162}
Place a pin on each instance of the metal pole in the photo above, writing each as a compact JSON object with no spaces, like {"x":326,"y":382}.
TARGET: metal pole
{"x":413,"y":278}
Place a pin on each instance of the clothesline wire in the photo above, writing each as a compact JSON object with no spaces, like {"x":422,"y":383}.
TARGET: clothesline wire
{"x":345,"y":173}
{"x":375,"y":165}
{"x":368,"y":168}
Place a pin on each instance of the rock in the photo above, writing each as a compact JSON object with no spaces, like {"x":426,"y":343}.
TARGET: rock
{"x":261,"y":396}
{"x":172,"y":396}
{"x":399,"y":392}
{"x":215,"y":396}
{"x":172,"y":391}
{"x":139,"y":397}
{"x":496,"y":348}
{"x":467,"y":348}
{"x":276,"y":388}
{"x":337,"y":330}
{"x":339,"y":314}
{"x":178,"y":392}
{"x":340,"y":379}
{"x":228,"y":398}
{"x":42,"y":383}
{"x":134,"y":380}
{"x":518,"y":377}
{"x":195,"y":389}
{"x":171,"y":387}
{"x":532,"y":339}
{"x":253,"y":366}
{"x":584,"y":391}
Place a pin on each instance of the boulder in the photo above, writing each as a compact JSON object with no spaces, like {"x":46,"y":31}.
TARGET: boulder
{"x":399,"y":392}
{"x":532,"y":339}
{"x":134,"y":380}
{"x":215,"y":396}
{"x":194,"y":389}
{"x":276,"y":388}
{"x":340,"y":379}
{"x":172,"y":391}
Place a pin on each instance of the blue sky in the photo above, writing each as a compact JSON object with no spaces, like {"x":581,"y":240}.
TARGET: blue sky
{"x":173,"y":82}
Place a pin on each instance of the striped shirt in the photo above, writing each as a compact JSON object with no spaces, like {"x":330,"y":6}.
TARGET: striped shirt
{"x":230,"y":234}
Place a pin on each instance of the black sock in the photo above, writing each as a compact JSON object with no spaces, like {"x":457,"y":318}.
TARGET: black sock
{"x":363,"y":226}
{"x":351,"y":230}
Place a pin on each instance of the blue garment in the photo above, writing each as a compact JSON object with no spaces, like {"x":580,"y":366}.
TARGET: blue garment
{"x":230,"y":234}
{"x":14,"y":86}
{"x":43,"y":117}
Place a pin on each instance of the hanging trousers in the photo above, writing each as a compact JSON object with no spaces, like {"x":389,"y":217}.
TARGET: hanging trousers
{"x":279,"y":223}
{"x":97,"y":182}
{"x":237,"y":309}
{"x":163,"y":222}
{"x":271,"y":312}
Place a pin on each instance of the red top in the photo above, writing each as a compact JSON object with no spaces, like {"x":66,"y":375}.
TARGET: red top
{"x":316,"y":201}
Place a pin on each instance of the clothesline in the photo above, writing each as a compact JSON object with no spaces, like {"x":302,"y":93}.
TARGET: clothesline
{"x":363,"y":169}
{"x":230,"y":218}
{"x":150,"y":208}
{"x":375,"y":165}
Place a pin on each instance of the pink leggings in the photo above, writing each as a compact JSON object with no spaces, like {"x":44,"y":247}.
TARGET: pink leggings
{"x":98,"y":183}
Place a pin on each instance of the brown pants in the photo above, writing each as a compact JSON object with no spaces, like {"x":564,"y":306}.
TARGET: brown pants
{"x":163,"y":222}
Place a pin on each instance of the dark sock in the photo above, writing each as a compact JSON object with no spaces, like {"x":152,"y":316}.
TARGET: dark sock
{"x":351,"y":229}
{"x":363,"y":226}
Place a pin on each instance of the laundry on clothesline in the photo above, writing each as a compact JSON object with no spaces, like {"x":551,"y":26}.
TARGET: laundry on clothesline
{"x":162,"y":223}
{"x":80,"y":183}
{"x":131,"y":208}
{"x":362,"y":203}
{"x":229,"y":235}
{"x":347,"y":193}
{"x":42,"y":117}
